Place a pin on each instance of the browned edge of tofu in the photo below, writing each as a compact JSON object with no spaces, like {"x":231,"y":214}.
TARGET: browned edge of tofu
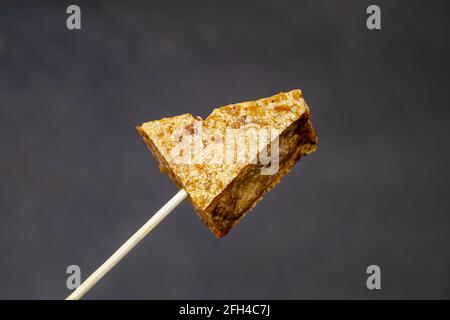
{"x":162,"y":163}
{"x":249,"y":187}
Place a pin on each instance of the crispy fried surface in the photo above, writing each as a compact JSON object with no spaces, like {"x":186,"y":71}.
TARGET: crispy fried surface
{"x":222,"y":193}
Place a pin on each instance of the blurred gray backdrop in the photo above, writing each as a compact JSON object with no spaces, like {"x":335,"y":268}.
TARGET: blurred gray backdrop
{"x":76,"y":180}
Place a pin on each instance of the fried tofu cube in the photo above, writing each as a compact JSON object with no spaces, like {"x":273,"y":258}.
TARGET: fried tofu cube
{"x":227,"y":162}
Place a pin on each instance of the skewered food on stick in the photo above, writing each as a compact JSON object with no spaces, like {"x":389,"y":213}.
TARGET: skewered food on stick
{"x":222,"y":164}
{"x":227,"y":162}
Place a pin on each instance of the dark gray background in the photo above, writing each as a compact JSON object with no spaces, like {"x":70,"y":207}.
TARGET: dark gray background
{"x":77,"y":180}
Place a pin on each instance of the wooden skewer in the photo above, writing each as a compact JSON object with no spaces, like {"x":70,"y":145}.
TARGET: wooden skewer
{"x":128,"y":245}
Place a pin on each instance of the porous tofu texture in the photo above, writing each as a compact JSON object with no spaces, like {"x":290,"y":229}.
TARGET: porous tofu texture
{"x":222,"y":193}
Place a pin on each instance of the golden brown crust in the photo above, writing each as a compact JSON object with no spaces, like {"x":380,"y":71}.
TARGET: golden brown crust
{"x":222,"y":193}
